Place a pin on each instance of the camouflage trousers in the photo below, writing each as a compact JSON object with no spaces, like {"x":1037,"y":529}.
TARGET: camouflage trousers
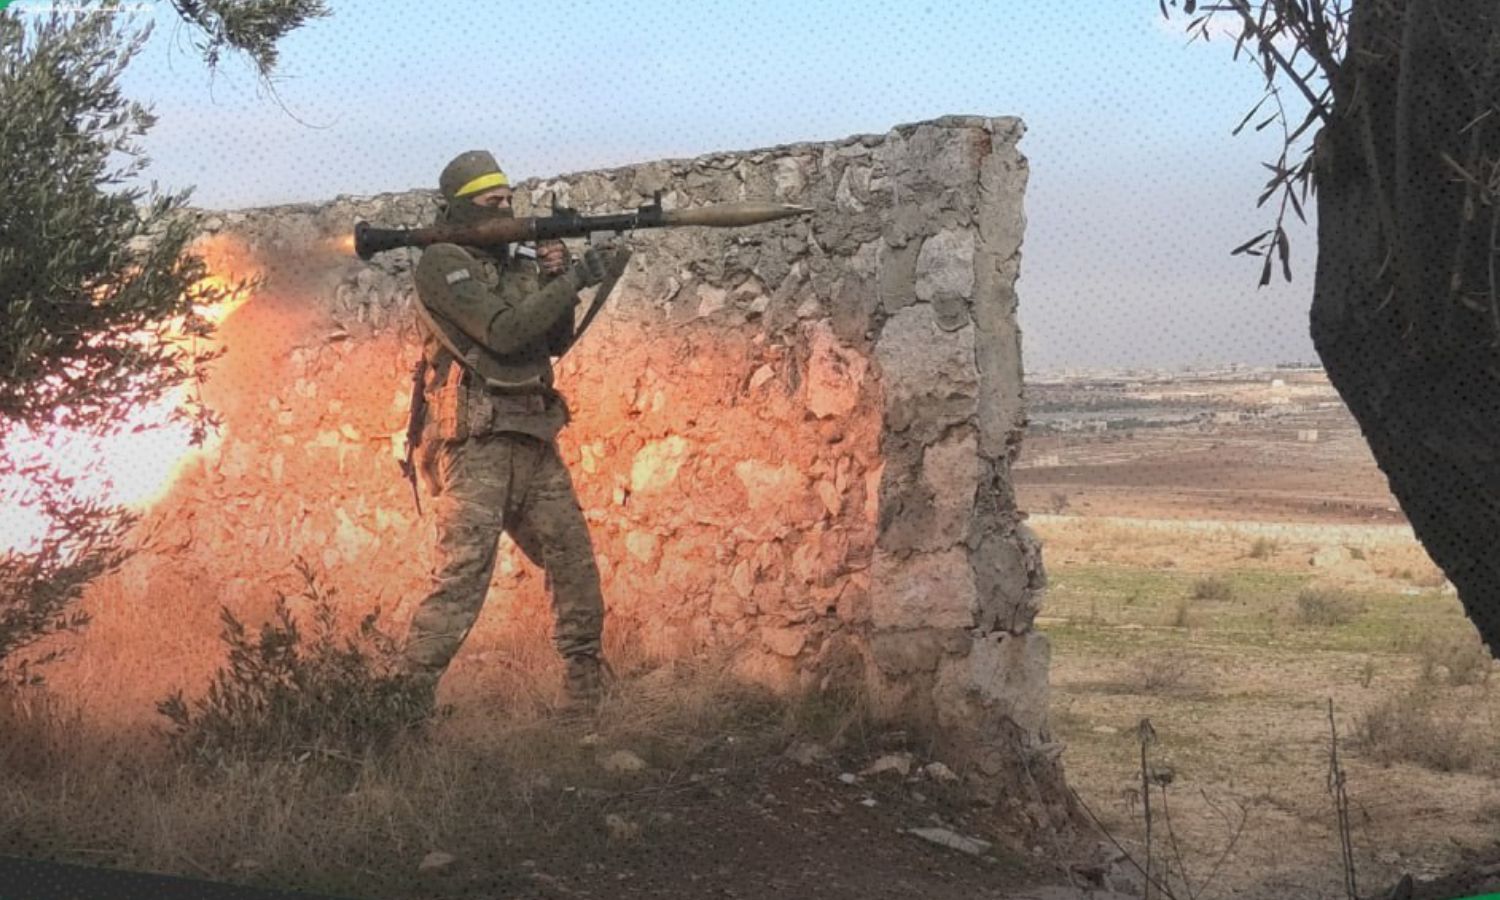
{"x":515,"y":484}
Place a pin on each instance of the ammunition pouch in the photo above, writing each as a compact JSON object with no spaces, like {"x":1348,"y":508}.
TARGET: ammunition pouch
{"x":463,"y":405}
{"x":451,"y":404}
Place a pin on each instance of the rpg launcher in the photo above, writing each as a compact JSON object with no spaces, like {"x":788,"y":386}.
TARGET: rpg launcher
{"x":565,"y":223}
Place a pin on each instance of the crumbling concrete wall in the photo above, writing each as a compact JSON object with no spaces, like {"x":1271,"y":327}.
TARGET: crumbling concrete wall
{"x":792,"y":442}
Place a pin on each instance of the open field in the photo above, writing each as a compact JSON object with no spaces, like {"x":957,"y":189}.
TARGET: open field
{"x":1225,"y":580}
{"x":1274,"y":446}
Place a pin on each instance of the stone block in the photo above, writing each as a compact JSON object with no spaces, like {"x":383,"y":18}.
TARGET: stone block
{"x":945,"y":266}
{"x":656,"y":464}
{"x":929,"y":375}
{"x":923,"y":590}
{"x":950,"y":469}
{"x":835,"y":374}
{"x":1002,"y":674}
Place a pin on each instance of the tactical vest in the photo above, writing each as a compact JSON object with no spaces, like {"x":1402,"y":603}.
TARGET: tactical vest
{"x":474,"y":391}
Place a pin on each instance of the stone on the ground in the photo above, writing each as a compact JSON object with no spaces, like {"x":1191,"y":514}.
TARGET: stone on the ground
{"x":900,"y":763}
{"x":807,"y":753}
{"x":952,"y":840}
{"x":940,"y":772}
{"x":1066,"y":892}
{"x":623,"y":762}
{"x":436,"y":860}
{"x":621,"y":828}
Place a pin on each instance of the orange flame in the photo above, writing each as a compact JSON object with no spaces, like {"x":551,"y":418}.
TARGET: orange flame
{"x":136,"y":461}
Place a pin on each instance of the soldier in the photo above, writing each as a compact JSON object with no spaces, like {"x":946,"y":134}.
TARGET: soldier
{"x":492,"y":320}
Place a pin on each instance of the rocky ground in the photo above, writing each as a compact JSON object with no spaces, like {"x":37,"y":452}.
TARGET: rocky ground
{"x":788,"y":826}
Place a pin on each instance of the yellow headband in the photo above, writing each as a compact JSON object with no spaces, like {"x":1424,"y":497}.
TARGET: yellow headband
{"x":483,"y":183}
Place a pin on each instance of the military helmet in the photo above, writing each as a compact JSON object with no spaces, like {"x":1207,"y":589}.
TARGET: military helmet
{"x":470,"y":173}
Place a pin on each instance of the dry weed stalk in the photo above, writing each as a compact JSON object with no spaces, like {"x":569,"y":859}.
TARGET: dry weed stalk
{"x":1337,"y":786}
{"x":1161,"y":882}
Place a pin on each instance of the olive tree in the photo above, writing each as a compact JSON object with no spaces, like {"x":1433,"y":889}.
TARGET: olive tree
{"x":99,"y":285}
{"x":1389,"y":113}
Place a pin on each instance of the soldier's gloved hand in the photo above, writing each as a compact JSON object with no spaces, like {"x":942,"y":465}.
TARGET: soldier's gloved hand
{"x":552,"y":256}
{"x":589,"y":270}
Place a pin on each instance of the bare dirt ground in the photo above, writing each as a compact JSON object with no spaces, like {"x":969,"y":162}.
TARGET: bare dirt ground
{"x":1197,"y":541}
{"x":1275,"y":447}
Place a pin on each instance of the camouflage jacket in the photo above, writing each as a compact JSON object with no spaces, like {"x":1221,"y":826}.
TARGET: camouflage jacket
{"x":508,"y":321}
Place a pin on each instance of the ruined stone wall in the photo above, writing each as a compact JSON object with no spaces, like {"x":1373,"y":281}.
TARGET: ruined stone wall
{"x":792,"y":442}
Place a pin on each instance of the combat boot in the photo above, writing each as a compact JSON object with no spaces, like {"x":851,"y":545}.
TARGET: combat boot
{"x":582,"y":681}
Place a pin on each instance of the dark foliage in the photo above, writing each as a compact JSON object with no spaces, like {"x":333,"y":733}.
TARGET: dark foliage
{"x":287,"y":696}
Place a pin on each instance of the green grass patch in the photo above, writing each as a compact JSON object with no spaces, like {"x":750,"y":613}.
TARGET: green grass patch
{"x":1213,"y":587}
{"x":1269,"y":611}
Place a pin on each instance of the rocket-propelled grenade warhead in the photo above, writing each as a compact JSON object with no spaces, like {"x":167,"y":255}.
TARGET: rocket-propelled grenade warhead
{"x":733,"y":215}
{"x":565,"y":223}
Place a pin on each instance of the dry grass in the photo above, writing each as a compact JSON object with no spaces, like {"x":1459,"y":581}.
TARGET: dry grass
{"x":1406,"y":728}
{"x":1212,"y":587}
{"x":1180,"y":614}
{"x":1326,"y":608}
{"x":1408,"y":563}
{"x":1261,"y":726}
{"x":252,"y":799}
{"x":1160,"y":673}
{"x":1263,"y":548}
{"x":1461,"y":658}
{"x":510,"y":781}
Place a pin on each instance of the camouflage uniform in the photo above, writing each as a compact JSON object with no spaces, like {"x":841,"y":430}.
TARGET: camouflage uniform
{"x":488,"y":448}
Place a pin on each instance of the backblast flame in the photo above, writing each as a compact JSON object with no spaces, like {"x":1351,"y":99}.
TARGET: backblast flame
{"x":134,"y":462}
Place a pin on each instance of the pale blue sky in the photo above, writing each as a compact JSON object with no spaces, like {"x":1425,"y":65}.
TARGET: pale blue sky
{"x":1138,"y":191}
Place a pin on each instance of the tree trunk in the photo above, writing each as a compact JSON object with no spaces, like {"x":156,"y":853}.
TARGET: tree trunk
{"x":1418,"y":369}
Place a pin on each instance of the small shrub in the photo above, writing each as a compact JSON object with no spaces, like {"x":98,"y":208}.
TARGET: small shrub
{"x":1213,"y":588}
{"x":1058,"y":503}
{"x":1357,"y":553}
{"x":1181,"y":614}
{"x":1159,"y":673}
{"x":284,"y":697}
{"x":1263,"y":548}
{"x":1462,"y":658}
{"x":1326,"y":608}
{"x":1405,"y":729}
